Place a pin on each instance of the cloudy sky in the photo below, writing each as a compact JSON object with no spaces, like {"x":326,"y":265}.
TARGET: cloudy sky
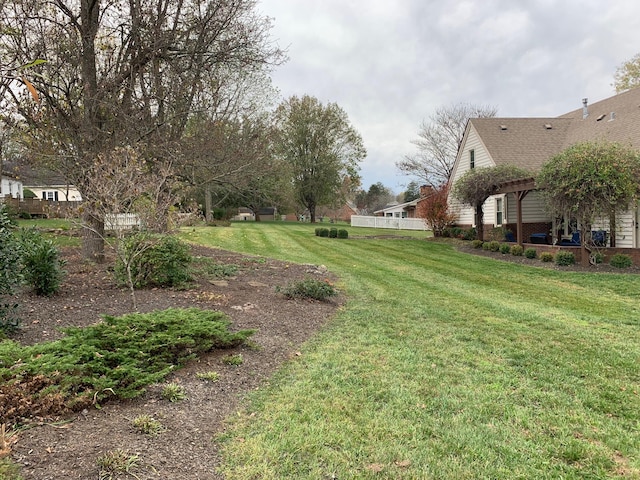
{"x":391,"y":64}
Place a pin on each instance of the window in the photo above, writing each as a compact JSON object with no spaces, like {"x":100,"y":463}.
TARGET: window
{"x":472,"y":159}
{"x":50,"y":196}
{"x":499,"y":210}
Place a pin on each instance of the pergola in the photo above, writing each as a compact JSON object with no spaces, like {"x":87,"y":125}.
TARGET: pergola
{"x":520,"y":188}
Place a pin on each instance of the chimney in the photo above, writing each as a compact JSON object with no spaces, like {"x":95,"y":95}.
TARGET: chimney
{"x":585,"y":109}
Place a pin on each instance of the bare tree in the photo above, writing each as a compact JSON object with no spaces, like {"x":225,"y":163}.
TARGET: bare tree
{"x":438,"y":141}
{"x":123,"y":73}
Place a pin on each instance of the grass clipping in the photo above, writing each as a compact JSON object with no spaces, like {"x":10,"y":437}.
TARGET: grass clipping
{"x":118,"y":357}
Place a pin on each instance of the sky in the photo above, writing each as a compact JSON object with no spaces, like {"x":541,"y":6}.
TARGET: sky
{"x":390,"y":64}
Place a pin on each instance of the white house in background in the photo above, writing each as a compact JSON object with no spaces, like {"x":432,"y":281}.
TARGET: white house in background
{"x":529,"y":143}
{"x":10,"y":187}
{"x":48,"y":185}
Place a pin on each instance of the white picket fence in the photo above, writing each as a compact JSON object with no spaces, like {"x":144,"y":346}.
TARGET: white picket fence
{"x":388,"y":222}
{"x":121,"y":221}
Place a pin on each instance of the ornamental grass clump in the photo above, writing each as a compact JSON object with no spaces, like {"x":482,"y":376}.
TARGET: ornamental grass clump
{"x":309,"y":288}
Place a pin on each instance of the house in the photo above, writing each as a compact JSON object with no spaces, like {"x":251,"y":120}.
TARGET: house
{"x":342,"y":213}
{"x":529,"y":143}
{"x":406,"y":209}
{"x":10,"y":186}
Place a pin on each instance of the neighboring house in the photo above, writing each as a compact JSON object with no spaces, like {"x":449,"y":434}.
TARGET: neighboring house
{"x":529,"y":143}
{"x":48,"y":185}
{"x":10,"y":187}
{"x":406,"y":209}
{"x":342,"y":213}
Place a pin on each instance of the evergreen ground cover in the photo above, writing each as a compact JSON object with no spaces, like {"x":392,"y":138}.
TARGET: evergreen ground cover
{"x":444,"y":365}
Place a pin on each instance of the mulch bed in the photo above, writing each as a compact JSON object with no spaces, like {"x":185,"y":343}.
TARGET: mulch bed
{"x":56,"y":446}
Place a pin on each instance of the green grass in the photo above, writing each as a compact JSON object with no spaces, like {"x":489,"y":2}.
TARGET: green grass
{"x":444,"y":365}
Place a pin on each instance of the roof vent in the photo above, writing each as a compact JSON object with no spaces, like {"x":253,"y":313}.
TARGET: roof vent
{"x":547,"y":126}
{"x":600,"y":117}
{"x":612,"y":116}
{"x":503,"y":127}
{"x":585,"y":109}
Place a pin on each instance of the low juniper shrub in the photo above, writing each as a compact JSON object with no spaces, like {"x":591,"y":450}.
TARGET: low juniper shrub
{"x":530,"y":253}
{"x":517,"y":250}
{"x":477,"y":243}
{"x":564,"y":258}
{"x":620,"y":260}
{"x":505,"y":248}
{"x":309,"y":288}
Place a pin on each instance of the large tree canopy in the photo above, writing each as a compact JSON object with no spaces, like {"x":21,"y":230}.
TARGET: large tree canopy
{"x":627,"y":75}
{"x":589,"y":180}
{"x":121,"y":73}
{"x":478,"y":184}
{"x":321,"y":147}
{"x":438,"y":141}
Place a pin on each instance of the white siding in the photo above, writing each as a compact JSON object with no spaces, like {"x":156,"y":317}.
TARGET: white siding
{"x":626,"y":233}
{"x":482,"y":159}
{"x":533,"y":209}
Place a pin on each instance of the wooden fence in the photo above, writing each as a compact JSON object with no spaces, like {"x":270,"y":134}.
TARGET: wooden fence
{"x":388,"y":222}
{"x":36,"y":207}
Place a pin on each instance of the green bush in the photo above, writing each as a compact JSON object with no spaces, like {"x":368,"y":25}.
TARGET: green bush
{"x":317,"y":230}
{"x":598,"y":258}
{"x":530,"y":253}
{"x":342,"y":233}
{"x":505,"y":248}
{"x":477,"y":243}
{"x":564,"y":258}
{"x":494,"y":246}
{"x":324,"y":232}
{"x":333,"y":232}
{"x":42,"y":265}
{"x":486,"y":245}
{"x":517,"y":250}
{"x":10,"y":271}
{"x":161,"y":261}
{"x":620,"y":260}
{"x":117,"y":357}
{"x":546,"y":257}
{"x":308,"y":288}
{"x":469,"y":234}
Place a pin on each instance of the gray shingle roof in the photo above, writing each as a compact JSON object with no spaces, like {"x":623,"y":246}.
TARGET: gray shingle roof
{"x":529,"y":142}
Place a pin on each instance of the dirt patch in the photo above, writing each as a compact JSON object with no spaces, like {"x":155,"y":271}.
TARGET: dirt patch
{"x":69,"y":446}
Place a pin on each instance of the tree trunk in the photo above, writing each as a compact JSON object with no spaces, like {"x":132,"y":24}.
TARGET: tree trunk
{"x":208,"y":209}
{"x":93,"y":238}
{"x":480,"y":222}
{"x":612,"y":230}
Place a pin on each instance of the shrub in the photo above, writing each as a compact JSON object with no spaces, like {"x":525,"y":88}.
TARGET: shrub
{"x":469,"y":234}
{"x":620,"y":260}
{"x":10,"y":271}
{"x":324,"y":232}
{"x":333,"y":232}
{"x":597,"y":258}
{"x":517,"y":250}
{"x":530,"y":253}
{"x":154,"y":261}
{"x":318,"y":231}
{"x":342,"y":233}
{"x":564,"y":258}
{"x":494,"y":246}
{"x":546,"y":257}
{"x":505,"y":248}
{"x":486,"y":245}
{"x":308,"y":288}
{"x":117,"y":357}
{"x":42,"y":263}
{"x":477,"y":243}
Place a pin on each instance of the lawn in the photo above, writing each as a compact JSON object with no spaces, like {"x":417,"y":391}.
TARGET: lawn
{"x":444,"y":365}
